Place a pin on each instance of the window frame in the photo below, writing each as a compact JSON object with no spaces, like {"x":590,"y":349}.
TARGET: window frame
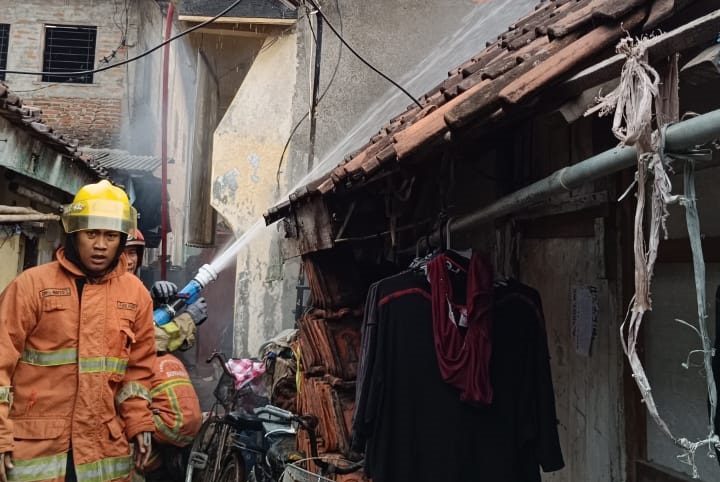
{"x":53,"y":32}
{"x":4,"y":48}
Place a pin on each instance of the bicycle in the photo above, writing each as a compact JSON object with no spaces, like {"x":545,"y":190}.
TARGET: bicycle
{"x":239,"y":446}
{"x":209,"y":452}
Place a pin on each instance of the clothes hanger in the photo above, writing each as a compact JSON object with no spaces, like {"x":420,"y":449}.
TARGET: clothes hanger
{"x":419,"y":260}
{"x":458,"y":256}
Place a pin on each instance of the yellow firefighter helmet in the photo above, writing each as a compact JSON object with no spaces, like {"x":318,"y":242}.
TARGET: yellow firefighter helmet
{"x":100,"y":206}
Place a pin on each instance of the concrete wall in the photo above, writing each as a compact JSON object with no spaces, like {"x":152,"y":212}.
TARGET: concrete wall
{"x":415,"y":43}
{"x":92,"y":113}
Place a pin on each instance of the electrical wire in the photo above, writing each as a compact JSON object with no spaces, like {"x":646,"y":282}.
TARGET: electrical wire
{"x":132,"y":59}
{"x":39,"y":88}
{"x":327,"y":87}
{"x":373,"y":68}
{"x":123,"y":31}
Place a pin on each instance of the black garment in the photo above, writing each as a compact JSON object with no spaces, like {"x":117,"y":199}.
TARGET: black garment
{"x":417,"y":428}
{"x":368,"y":337}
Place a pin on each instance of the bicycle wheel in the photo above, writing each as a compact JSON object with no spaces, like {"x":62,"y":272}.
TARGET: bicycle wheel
{"x":204,"y":452}
{"x":233,"y":469}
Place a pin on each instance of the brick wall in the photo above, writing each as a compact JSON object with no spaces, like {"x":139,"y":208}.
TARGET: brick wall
{"x":92,"y":113}
{"x":94,"y":122}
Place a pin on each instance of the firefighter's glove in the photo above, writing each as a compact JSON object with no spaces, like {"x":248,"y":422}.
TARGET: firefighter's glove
{"x":198,"y":311}
{"x":163,"y":291}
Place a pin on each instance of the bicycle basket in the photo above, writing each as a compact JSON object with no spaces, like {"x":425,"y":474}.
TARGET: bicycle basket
{"x":251,"y":396}
{"x":294,"y":473}
{"x":225,"y":390}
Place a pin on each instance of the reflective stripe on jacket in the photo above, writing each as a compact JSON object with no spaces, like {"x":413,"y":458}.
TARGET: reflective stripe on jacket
{"x":175,"y":404}
{"x":80,"y":371}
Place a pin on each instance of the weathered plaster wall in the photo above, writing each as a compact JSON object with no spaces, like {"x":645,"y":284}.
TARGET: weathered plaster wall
{"x":92,"y":113}
{"x":248,"y":144}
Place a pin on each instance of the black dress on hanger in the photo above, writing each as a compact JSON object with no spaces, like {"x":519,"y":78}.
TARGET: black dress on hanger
{"x":412,"y":425}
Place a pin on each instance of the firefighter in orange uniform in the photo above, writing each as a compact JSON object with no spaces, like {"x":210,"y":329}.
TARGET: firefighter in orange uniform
{"x":175,"y":404}
{"x":77,"y":348}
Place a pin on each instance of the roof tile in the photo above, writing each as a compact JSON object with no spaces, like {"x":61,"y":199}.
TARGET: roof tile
{"x":564,"y":60}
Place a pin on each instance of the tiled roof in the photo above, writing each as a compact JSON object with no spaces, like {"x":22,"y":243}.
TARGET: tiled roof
{"x":123,"y":160}
{"x":245,"y":9}
{"x":536,"y":52}
{"x":29,"y":119}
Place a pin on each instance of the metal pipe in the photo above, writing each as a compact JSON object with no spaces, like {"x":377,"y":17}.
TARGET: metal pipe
{"x":163,"y":144}
{"x":679,"y":137}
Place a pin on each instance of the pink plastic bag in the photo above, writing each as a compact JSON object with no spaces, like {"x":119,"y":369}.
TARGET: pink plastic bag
{"x":245,"y":370}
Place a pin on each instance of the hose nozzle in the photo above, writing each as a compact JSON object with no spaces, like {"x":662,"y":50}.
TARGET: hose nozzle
{"x":205,"y":275}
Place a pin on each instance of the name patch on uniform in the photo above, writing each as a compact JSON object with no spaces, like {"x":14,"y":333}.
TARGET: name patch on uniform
{"x":126,"y":306}
{"x":55,"y":292}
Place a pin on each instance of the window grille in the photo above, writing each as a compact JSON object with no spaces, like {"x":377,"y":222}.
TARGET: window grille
{"x":4,"y":39}
{"x":69,"y":49}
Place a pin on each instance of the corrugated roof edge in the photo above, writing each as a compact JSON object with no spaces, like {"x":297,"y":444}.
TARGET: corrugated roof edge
{"x":29,"y":119}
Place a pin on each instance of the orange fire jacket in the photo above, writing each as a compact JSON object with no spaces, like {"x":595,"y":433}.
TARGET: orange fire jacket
{"x":175,"y":405}
{"x":74,"y":372}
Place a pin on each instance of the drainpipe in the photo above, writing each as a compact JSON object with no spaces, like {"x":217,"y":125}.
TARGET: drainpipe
{"x":679,"y":138}
{"x":163,"y":144}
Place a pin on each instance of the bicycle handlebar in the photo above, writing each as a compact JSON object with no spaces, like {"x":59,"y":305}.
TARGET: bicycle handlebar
{"x":277,"y":412}
{"x":217,"y":355}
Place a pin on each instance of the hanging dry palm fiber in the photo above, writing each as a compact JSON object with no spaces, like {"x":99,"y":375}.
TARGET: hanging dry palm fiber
{"x":632,"y":103}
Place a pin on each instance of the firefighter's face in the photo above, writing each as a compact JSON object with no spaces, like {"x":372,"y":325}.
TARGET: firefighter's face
{"x":132,"y":255}
{"x":97,"y":248}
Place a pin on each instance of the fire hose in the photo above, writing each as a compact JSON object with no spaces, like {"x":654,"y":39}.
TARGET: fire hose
{"x":186,"y":296}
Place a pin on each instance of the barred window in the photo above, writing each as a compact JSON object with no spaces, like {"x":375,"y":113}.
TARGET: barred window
{"x":69,"y":49}
{"x":4,"y":39}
